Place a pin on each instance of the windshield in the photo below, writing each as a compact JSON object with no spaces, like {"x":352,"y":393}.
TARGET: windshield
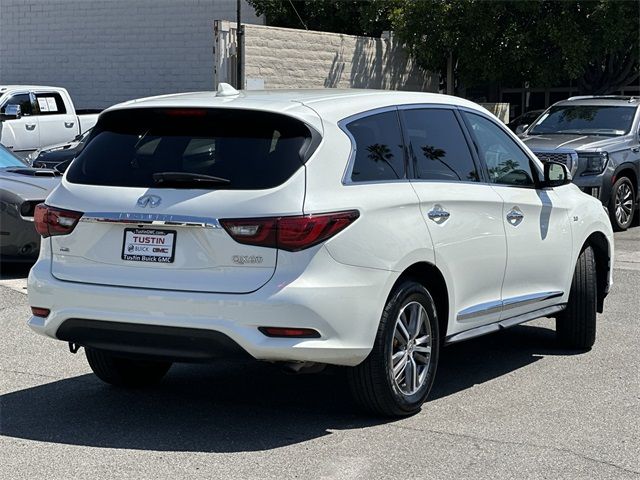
{"x":8,"y":159}
{"x":585,"y":120}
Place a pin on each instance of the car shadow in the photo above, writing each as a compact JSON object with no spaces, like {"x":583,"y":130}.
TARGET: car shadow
{"x":233,"y":407}
{"x":463,"y":365}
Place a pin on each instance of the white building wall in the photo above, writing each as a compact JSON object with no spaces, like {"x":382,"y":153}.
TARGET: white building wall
{"x":107,"y":51}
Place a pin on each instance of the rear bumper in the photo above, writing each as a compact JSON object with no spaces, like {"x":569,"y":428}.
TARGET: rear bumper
{"x":342,"y":302}
{"x":150,"y":341}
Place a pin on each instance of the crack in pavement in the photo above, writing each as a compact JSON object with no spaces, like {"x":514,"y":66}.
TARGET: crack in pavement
{"x":519,"y":444}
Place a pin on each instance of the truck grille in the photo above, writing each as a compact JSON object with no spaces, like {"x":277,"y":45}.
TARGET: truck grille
{"x":568,"y":157}
{"x":554,"y":157}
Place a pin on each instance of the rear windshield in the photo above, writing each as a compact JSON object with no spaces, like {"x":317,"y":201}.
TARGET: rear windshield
{"x":243,"y":149}
{"x":585,"y":120}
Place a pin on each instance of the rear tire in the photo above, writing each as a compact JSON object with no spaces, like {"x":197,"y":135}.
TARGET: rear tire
{"x":125,"y":372}
{"x":576,"y":325}
{"x":622,"y":205}
{"x":397,"y":376}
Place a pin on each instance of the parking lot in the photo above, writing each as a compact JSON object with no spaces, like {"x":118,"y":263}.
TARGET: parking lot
{"x":511,"y":405}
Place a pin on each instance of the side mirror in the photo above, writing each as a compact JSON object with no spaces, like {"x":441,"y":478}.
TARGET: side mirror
{"x":521,"y":128}
{"x":556,"y":174}
{"x":11,"y":112}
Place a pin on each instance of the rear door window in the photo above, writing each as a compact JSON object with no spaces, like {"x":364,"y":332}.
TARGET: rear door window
{"x":379,"y":152}
{"x":50,"y":103}
{"x":245,"y":149}
{"x":438,"y":147}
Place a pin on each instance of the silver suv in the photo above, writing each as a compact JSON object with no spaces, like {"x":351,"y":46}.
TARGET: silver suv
{"x":598,"y":138}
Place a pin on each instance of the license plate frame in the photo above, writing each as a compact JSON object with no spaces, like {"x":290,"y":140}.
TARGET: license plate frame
{"x":149,"y":251}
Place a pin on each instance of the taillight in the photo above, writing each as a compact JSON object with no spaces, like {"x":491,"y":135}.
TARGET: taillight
{"x":51,"y":221}
{"x":289,"y":233}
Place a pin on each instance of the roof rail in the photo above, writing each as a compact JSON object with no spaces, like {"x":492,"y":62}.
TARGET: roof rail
{"x":628,"y":98}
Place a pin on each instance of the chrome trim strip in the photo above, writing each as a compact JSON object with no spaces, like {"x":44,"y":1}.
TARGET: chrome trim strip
{"x":342,"y":124}
{"x":497,"y":306}
{"x":506,"y":323}
{"x":523,"y":300}
{"x":134,"y":218}
{"x":480,"y":310}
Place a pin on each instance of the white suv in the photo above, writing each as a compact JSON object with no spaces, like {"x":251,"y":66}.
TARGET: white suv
{"x":356,"y":228}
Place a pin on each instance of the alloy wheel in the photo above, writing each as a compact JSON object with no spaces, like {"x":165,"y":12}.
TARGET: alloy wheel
{"x":623,"y":204}
{"x":411,"y":348}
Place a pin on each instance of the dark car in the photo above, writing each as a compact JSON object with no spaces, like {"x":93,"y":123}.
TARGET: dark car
{"x":523,"y":121}
{"x":59,"y":155}
{"x":598,"y":138}
{"x":21,"y":189}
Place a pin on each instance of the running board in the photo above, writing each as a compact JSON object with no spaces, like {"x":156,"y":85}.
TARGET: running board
{"x":506,"y":323}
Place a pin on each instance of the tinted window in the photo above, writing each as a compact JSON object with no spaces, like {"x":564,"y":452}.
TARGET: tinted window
{"x":23,"y":99}
{"x":253,"y":150}
{"x":50,"y":103}
{"x":379,"y":152}
{"x":506,"y":162}
{"x":586,"y":119}
{"x":439,"y":149}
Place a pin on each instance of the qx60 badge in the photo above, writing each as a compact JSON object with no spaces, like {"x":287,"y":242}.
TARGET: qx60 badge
{"x":149,"y":200}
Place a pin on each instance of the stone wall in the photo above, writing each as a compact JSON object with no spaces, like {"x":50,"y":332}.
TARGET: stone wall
{"x":291,"y":58}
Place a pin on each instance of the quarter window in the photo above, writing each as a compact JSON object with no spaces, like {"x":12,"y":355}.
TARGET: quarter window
{"x":438,"y":146}
{"x":506,"y":162}
{"x":50,"y":103}
{"x":379,"y":151}
{"x":22,"y":99}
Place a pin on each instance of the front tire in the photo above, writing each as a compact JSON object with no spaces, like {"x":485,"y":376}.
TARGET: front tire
{"x":576,"y":325}
{"x":622,"y":205}
{"x":397,"y":376}
{"x":125,"y":372}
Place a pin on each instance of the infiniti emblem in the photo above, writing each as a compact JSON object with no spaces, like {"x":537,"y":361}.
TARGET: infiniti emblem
{"x":150,"y":200}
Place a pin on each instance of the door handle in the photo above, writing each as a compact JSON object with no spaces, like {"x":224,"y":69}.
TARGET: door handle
{"x":30,"y":126}
{"x":68,"y":124}
{"x":515,"y":216}
{"x":635,"y":149}
{"x":438,"y":214}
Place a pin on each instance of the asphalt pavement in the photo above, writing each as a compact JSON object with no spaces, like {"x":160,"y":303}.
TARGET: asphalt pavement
{"x":510,"y":405}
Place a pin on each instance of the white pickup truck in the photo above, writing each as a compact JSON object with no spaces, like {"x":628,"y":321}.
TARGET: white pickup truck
{"x":33,"y":117}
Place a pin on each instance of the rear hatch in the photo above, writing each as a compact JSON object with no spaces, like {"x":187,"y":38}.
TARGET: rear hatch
{"x":152,"y":184}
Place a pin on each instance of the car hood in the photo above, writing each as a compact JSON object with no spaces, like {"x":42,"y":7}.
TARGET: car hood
{"x":59,"y":146}
{"x":573,"y":142}
{"x":56,"y":155}
{"x":26,"y":186}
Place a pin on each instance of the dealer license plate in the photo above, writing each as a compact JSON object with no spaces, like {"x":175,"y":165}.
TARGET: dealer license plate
{"x":149,"y":245}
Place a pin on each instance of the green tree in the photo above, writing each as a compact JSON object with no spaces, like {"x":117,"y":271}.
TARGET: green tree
{"x":353,"y":17}
{"x":545,"y":42}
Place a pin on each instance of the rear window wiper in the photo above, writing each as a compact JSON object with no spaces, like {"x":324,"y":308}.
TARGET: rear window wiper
{"x":188,"y":178}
